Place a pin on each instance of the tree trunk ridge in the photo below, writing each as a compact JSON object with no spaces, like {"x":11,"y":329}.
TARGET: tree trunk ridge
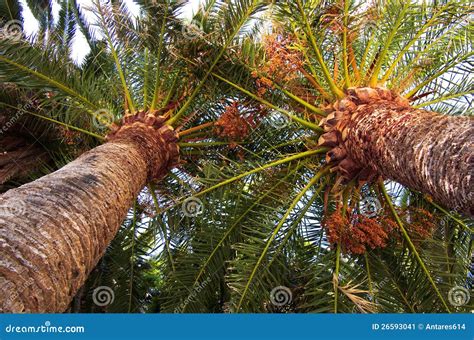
{"x":54,"y":230}
{"x":422,"y":150}
{"x":375,"y":132}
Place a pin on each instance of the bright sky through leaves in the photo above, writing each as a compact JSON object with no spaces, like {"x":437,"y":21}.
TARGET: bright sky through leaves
{"x":80,"y":47}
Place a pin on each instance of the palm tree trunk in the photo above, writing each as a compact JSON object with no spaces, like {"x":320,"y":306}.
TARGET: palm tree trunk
{"x":54,"y":230}
{"x":383,"y":135}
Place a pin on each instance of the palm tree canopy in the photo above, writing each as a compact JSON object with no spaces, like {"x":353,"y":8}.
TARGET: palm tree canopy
{"x":247,"y":104}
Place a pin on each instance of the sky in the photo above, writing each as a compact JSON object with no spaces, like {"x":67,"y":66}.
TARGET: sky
{"x":80,"y":47}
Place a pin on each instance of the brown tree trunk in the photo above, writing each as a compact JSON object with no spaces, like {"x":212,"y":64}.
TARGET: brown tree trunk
{"x":422,"y":150}
{"x":425,"y":151}
{"x":54,"y":230}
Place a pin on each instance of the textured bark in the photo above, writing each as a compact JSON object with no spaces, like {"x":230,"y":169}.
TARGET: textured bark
{"x":422,"y":150}
{"x":54,"y":230}
{"x":425,"y":151}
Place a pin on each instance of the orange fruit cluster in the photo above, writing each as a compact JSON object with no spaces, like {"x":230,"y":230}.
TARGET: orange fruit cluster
{"x":282,"y":63}
{"x":231,"y":124}
{"x":358,"y":233}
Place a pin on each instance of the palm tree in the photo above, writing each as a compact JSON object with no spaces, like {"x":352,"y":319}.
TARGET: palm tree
{"x":280,"y":223}
{"x":55,"y":229}
{"x":353,"y":80}
{"x":367,"y":75}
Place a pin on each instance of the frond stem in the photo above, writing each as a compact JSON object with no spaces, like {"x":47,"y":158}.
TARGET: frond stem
{"x":412,"y":247}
